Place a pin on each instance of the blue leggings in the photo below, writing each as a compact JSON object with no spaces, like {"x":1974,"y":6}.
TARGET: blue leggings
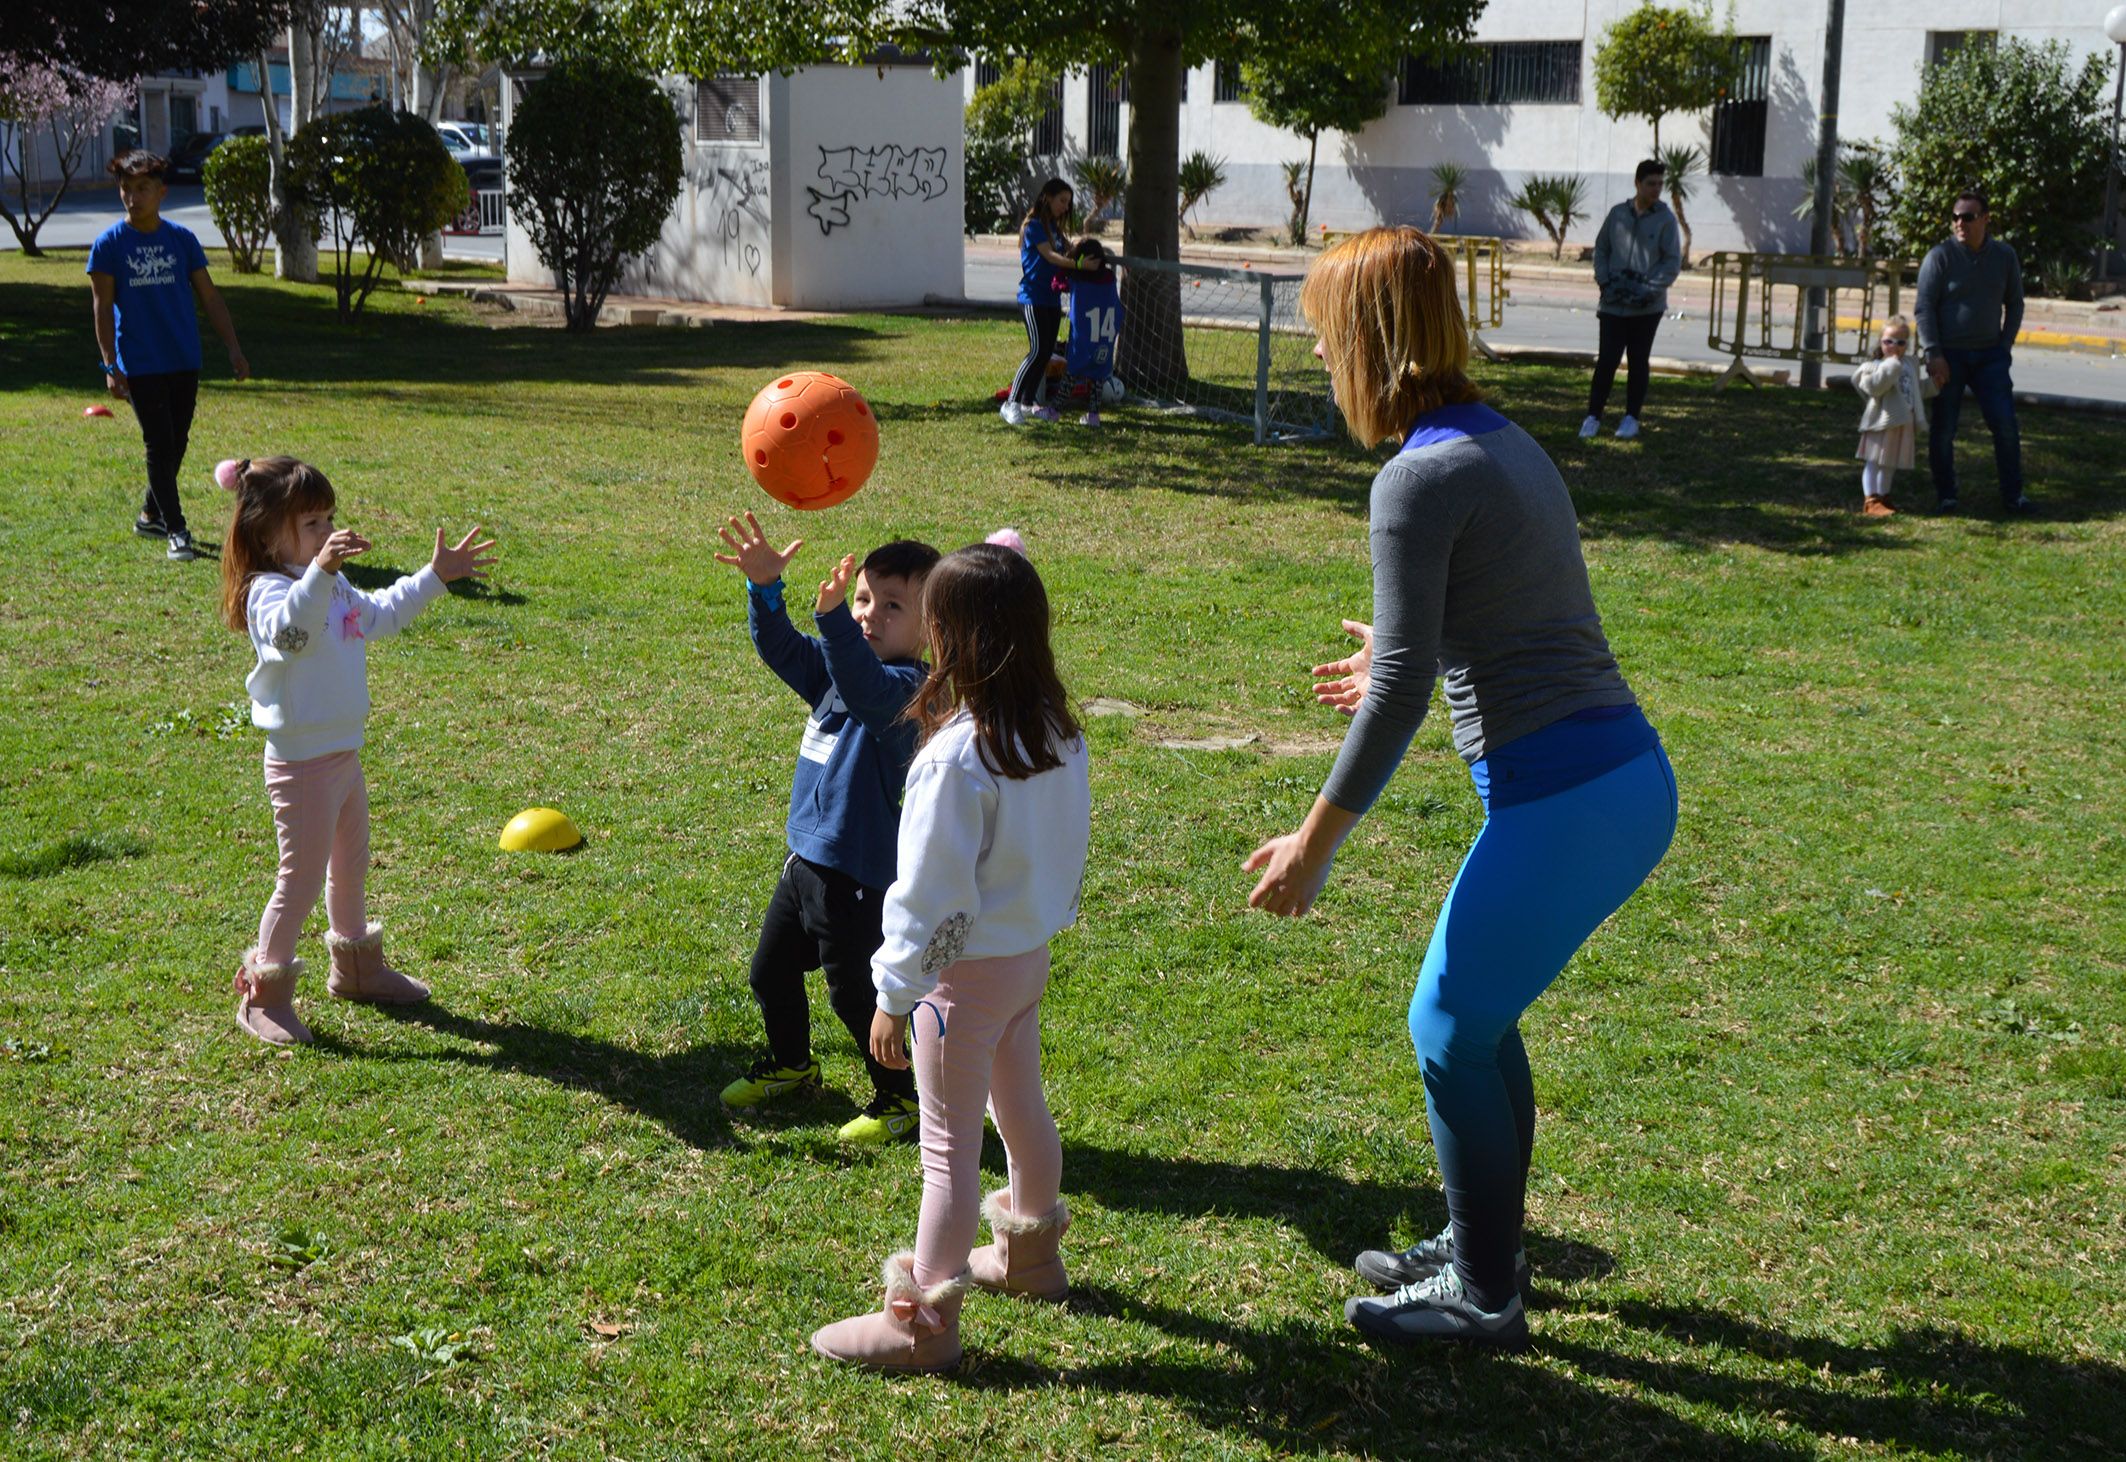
{"x":1540,"y":878}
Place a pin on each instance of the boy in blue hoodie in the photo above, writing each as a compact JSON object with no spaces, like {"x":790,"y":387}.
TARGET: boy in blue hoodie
{"x":845,"y":805}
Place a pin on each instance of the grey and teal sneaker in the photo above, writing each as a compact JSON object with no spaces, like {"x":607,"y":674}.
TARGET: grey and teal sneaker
{"x":766,"y":1081}
{"x":1394,"y":1268}
{"x":1438,"y":1309}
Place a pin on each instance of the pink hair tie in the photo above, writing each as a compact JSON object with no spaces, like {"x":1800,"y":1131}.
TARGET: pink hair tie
{"x":1009,"y":538}
{"x":229,"y":473}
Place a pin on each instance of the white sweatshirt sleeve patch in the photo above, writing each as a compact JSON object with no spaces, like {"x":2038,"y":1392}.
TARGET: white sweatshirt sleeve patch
{"x":935,"y":901}
{"x":287,"y":615}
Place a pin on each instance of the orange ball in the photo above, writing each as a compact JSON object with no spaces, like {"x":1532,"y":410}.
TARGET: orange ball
{"x":809,"y":439}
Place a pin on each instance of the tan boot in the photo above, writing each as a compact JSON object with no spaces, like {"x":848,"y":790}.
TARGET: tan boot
{"x":1025,"y":1259}
{"x":267,"y":1009}
{"x":915,"y":1330}
{"x":359,"y":972}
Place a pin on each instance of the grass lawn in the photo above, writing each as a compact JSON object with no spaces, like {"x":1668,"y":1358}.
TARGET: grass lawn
{"x":1834,"y":1112}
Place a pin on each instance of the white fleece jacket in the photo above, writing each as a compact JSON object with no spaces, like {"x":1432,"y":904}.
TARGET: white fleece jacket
{"x":311,"y":632}
{"x":989,"y":865}
{"x":1896,"y":391}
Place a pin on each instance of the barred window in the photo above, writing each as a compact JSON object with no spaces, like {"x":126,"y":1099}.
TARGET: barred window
{"x":1740,"y":120}
{"x":1499,"y":74}
{"x":727,"y":108}
{"x":987,"y":73}
{"x":1103,"y":113}
{"x":1942,"y":44}
{"x":1226,"y":85}
{"x":1048,"y":132}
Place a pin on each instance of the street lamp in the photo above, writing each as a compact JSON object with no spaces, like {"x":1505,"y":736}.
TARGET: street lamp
{"x":2115,"y":28}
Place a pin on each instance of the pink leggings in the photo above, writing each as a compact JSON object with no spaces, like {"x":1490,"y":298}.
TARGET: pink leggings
{"x":989,"y":1047}
{"x":321,"y":817}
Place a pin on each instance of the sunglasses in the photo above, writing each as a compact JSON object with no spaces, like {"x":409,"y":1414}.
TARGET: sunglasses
{"x":1966,"y":217}
{"x":1893,"y":342}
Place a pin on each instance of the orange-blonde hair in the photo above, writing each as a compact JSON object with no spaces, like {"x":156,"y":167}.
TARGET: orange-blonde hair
{"x":270,"y":493}
{"x":1390,"y":322}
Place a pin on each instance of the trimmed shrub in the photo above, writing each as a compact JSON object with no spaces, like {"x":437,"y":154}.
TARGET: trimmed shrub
{"x":239,"y":183}
{"x":377,"y":180}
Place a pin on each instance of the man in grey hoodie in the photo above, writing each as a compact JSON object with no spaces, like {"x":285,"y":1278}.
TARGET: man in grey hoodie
{"x":1970,"y":309}
{"x":1637,"y":256}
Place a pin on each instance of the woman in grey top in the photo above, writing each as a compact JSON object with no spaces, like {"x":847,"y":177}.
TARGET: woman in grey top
{"x":1478,"y":582}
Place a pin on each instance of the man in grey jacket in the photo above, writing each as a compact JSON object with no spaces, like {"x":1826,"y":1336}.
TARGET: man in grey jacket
{"x":1637,"y":256}
{"x":1970,"y":308}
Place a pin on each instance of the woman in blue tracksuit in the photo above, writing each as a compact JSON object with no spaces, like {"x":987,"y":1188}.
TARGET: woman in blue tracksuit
{"x":1041,"y":259}
{"x":1478,"y":581}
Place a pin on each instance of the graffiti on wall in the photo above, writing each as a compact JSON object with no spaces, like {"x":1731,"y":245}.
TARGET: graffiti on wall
{"x":853,"y":174}
{"x":738,"y":209}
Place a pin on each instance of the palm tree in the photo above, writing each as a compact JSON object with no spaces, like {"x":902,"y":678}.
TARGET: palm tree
{"x":1680,"y":165}
{"x":1201,"y":175}
{"x":1556,"y":202}
{"x":1447,"y":183}
{"x":1841,"y":203}
{"x":1868,"y":178}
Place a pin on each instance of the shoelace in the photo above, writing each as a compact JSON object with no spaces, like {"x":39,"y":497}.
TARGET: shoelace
{"x":1441,"y":1288}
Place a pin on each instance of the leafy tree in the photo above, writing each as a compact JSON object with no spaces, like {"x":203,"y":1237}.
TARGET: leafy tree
{"x":239,"y":186}
{"x":378,"y":179}
{"x":65,"y":104}
{"x":1314,"y":92}
{"x":594,"y":167}
{"x":121,"y":39}
{"x":1001,"y":173}
{"x":2026,"y":126}
{"x":1659,"y":60}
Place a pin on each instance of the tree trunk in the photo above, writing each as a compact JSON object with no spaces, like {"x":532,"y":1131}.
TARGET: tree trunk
{"x":1306,"y":199}
{"x":294,"y":251}
{"x":1675,"y":201}
{"x":427,"y":103}
{"x":1150,"y":351}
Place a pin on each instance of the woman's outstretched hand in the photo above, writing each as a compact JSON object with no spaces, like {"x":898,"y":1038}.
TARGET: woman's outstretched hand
{"x":1353,"y":674}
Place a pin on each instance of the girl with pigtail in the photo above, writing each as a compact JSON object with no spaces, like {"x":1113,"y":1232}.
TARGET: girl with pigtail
{"x":310,"y":627}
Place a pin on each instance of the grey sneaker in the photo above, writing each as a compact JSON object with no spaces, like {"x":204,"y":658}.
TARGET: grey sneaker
{"x":1394,"y":1268}
{"x":181,"y":549}
{"x":1438,"y":1309}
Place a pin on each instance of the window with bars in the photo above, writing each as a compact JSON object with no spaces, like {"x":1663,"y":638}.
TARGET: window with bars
{"x":1942,"y":44}
{"x":1740,"y":119}
{"x":727,"y":108}
{"x":1499,"y":74}
{"x":1226,"y":85}
{"x":987,"y":73}
{"x":1103,"y":113}
{"x":1047,"y":137}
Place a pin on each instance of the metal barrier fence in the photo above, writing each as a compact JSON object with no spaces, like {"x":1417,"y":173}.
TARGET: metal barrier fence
{"x":1480,"y":264}
{"x":1748,"y":288}
{"x":487,"y":212}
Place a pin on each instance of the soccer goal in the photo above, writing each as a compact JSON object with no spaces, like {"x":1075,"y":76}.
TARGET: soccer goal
{"x":1239,"y":352}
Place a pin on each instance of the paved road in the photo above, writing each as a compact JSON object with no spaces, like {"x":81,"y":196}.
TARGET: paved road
{"x":1560,"y":315}
{"x":85,"y":214}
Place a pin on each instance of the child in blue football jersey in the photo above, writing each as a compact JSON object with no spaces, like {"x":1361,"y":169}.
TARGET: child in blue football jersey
{"x":845,"y":806}
{"x":144,"y":273}
{"x":1095,"y":324}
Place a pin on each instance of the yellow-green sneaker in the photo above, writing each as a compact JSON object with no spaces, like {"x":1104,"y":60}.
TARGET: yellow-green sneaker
{"x":766,"y":1081}
{"x":887,"y":1119}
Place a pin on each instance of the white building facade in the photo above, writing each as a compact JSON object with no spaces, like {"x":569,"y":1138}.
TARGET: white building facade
{"x":1525,"y":105}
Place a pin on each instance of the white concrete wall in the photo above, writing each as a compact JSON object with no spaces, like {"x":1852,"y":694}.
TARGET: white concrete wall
{"x":718,"y":243}
{"x":1383,"y":173}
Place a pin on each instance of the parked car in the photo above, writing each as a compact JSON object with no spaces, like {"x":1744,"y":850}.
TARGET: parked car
{"x":188,"y":159}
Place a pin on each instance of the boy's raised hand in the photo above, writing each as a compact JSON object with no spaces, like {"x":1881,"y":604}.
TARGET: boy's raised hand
{"x":835,"y":587}
{"x":750,"y":553}
{"x":465,"y":560}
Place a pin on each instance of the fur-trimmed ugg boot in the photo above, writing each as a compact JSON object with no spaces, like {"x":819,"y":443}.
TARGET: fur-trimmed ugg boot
{"x":915,"y":1330}
{"x":1026,"y":1258}
{"x":359,"y":972}
{"x":267,"y":1009}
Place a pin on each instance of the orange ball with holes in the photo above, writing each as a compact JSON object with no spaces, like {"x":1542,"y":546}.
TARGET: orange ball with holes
{"x":809,"y":439}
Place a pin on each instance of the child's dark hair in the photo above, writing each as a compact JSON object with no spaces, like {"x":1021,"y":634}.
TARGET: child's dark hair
{"x":269,"y":492}
{"x":138,"y":163}
{"x":1090,"y":253}
{"x":987,"y":615}
{"x":1041,"y":208}
{"x":903,"y":558}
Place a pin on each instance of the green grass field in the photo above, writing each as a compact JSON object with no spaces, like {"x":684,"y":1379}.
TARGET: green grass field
{"x":1834,"y":1112}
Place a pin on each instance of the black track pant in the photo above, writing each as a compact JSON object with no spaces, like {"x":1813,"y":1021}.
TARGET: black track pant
{"x":163,"y":405}
{"x":1628,"y":337}
{"x":1043,"y":323}
{"x":821,"y":918}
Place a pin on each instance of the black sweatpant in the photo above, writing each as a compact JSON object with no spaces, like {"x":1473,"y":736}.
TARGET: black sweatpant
{"x":1623,"y":337}
{"x":163,"y":405}
{"x":1043,"y":324}
{"x":821,"y":918}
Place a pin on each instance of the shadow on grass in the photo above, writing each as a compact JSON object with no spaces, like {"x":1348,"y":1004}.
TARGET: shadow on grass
{"x":46,"y":859}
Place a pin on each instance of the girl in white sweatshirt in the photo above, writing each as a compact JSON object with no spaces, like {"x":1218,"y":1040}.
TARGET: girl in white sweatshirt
{"x":1896,"y":390}
{"x":310,"y":627}
{"x":993,"y":835}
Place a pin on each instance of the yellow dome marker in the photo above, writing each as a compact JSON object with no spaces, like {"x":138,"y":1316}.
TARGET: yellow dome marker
{"x":540,"y":830}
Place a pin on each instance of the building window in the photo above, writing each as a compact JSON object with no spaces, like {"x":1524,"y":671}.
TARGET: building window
{"x":1047,"y":139}
{"x":1504,"y":73}
{"x":1942,"y":44}
{"x":1226,"y":85}
{"x":1103,"y":113}
{"x":727,"y":108}
{"x":987,"y":73}
{"x":1739,"y":120}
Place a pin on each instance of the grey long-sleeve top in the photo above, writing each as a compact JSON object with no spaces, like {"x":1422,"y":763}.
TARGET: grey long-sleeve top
{"x":1637,"y":256}
{"x":1477,"y":580}
{"x":1969,"y":299}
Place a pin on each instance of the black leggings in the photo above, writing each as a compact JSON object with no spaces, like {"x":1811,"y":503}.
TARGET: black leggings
{"x":1042,"y":324}
{"x":1629,"y":337}
{"x":821,"y":918}
{"x":163,"y":405}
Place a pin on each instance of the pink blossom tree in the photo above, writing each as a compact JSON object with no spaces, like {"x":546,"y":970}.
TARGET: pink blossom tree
{"x":39,"y":99}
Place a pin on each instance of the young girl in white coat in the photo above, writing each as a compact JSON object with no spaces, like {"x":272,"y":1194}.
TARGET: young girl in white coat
{"x":993,"y":836}
{"x":1896,"y":413}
